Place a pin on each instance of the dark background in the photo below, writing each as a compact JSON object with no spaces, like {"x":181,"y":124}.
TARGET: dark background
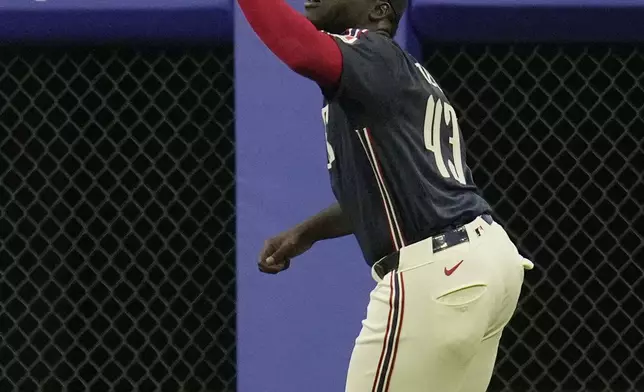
{"x":117,"y":170}
{"x":117,"y":212}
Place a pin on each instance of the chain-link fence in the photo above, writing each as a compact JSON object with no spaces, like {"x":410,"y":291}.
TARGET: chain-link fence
{"x":556,"y":141}
{"x":117,"y":220}
{"x":117,"y":215}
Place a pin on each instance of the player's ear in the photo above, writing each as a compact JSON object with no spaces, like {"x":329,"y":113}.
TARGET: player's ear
{"x":381,"y":10}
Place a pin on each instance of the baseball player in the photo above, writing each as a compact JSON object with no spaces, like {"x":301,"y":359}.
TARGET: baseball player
{"x":447,"y":276}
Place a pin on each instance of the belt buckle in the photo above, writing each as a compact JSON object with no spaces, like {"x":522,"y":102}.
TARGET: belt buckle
{"x":439,"y":243}
{"x":449,"y":239}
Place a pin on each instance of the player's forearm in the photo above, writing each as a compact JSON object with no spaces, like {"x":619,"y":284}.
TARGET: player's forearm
{"x":329,"y":223}
{"x":295,"y":40}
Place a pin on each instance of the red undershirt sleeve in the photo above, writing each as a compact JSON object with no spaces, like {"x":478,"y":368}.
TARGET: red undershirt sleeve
{"x":295,"y":41}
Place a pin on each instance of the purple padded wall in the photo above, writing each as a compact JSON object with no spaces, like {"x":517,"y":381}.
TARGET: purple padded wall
{"x":295,"y":330}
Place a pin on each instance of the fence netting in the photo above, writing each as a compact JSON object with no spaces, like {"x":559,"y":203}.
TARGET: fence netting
{"x":117,"y":219}
{"x":556,"y":142}
{"x":117,"y":212}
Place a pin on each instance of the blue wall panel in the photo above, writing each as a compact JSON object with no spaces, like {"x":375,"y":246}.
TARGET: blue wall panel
{"x":296,"y":329}
{"x":99,"y":21}
{"x":534,"y":20}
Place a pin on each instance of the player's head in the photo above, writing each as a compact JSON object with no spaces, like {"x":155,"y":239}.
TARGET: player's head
{"x":335,"y":16}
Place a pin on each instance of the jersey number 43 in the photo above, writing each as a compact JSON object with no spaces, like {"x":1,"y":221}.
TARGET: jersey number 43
{"x":437,"y":113}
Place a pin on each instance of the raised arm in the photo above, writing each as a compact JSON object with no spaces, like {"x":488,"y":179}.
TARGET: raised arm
{"x":293,"y":39}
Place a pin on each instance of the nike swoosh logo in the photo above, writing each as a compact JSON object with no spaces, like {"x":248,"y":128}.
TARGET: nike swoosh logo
{"x":450,"y":271}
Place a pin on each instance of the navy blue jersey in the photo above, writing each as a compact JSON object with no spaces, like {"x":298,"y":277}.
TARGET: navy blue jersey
{"x":395,"y":152}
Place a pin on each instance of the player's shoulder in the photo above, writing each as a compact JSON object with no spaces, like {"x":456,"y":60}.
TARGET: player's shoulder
{"x":368,"y":44}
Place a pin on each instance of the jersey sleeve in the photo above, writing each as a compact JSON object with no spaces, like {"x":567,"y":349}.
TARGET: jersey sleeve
{"x":370,"y":63}
{"x":295,"y":40}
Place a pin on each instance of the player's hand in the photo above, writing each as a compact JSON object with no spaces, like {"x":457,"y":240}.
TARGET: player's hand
{"x":278,"y":251}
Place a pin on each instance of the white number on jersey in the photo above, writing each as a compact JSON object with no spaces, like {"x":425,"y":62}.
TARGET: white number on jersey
{"x":438,"y":111}
{"x":329,"y":150}
{"x":433,"y":124}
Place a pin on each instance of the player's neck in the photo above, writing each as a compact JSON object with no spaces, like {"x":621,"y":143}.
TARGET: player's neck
{"x":384,"y":31}
{"x":378,"y":27}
